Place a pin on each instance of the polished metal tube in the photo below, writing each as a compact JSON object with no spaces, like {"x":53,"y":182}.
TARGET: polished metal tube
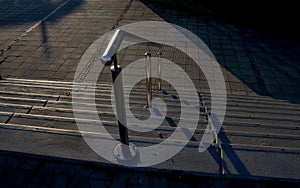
{"x":119,"y":100}
{"x":148,"y":79}
{"x":159,"y":71}
{"x":113,"y":46}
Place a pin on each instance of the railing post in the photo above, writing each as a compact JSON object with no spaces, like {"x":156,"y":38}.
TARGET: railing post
{"x":148,"y":78}
{"x":124,"y":150}
{"x":119,"y":100}
{"x":159,"y":71}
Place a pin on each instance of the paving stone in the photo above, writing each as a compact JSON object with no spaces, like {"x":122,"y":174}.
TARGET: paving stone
{"x":30,"y":165}
{"x":179,"y":184}
{"x":121,"y":180}
{"x":36,"y":186}
{"x":140,"y":180}
{"x":81,"y":177}
{"x":160,"y":182}
{"x":96,"y":183}
{"x":65,"y":169}
{"x":60,"y":181}
{"x":23,"y":177}
{"x":44,"y":174}
{"x":101,"y":175}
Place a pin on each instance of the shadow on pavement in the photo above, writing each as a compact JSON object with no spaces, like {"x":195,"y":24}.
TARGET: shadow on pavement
{"x":233,"y":158}
{"x":253,"y":42}
{"x":276,"y":18}
{"x":20,"y":17}
{"x":19,"y":12}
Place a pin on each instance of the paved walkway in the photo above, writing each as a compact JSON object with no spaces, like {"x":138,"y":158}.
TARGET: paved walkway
{"x":44,"y":40}
{"x":253,"y":63}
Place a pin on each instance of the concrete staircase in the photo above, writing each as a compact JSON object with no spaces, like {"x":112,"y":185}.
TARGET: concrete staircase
{"x":259,"y":137}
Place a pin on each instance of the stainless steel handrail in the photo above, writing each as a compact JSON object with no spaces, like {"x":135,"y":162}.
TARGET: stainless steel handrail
{"x":112,"y":47}
{"x":109,"y":56}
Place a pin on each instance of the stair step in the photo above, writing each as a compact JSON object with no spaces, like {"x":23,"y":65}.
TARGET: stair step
{"x":137,"y":109}
{"x":260,"y":139}
{"x":253,"y":111}
{"x":262,"y":128}
{"x":5,"y":116}
{"x":14,"y":94}
{"x":252,"y":103}
{"x":18,"y":108}
{"x":58,"y":122}
{"x":67,"y":112}
{"x":256,"y":98}
{"x":22,"y":101}
{"x":107,"y":88}
{"x":53,"y":91}
{"x":136,"y":139}
{"x":55,"y":143}
{"x":236,"y":138}
{"x":261,"y":121}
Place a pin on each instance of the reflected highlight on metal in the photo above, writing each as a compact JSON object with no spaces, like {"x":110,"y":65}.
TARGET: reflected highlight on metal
{"x":148,"y":78}
{"x":159,"y":70}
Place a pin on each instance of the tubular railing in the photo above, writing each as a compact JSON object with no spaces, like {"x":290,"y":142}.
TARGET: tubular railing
{"x":109,"y":56}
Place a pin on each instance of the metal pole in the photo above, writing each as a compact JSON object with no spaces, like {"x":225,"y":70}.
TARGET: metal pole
{"x":119,"y":100}
{"x":159,"y":71}
{"x":148,"y":78}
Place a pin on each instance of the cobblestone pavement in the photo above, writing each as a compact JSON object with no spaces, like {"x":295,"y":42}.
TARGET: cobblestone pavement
{"x":45,"y":40}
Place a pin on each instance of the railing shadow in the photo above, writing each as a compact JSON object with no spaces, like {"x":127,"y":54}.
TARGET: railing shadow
{"x":19,"y":12}
{"x":233,"y":158}
{"x":20,"y":17}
